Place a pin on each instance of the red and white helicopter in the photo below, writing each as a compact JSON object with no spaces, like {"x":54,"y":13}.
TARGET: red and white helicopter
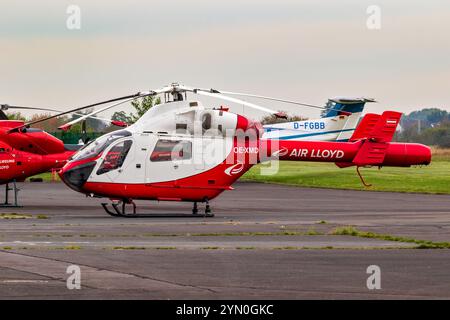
{"x":183,"y":151}
{"x":30,"y":151}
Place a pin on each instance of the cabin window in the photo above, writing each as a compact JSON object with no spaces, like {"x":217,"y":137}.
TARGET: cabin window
{"x":206,"y":121}
{"x":115,"y":157}
{"x":169,"y":150}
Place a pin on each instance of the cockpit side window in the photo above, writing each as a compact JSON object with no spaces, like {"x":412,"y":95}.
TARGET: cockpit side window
{"x":115,"y":157}
{"x":94,"y":148}
{"x":169,"y":150}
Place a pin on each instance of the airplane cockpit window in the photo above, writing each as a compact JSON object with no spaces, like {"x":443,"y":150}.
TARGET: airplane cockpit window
{"x":331,"y":105}
{"x":94,"y":148}
{"x":115,"y":157}
{"x":169,"y":150}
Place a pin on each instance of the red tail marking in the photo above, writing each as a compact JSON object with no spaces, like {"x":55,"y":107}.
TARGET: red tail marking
{"x":378,"y":128}
{"x":385,"y":128}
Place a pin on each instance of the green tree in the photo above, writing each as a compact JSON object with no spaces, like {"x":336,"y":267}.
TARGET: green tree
{"x":15,"y":116}
{"x":141,"y":106}
{"x":121,"y":116}
{"x":272,"y":119}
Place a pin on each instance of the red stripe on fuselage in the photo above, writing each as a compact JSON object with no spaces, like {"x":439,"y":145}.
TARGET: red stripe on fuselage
{"x":208,"y":184}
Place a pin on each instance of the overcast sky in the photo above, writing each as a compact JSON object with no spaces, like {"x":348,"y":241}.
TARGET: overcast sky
{"x":301,"y":50}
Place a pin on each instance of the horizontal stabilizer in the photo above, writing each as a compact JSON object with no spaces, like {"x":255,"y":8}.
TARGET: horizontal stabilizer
{"x":371,"y":154}
{"x":374,"y":133}
{"x":344,"y":164}
{"x":377,"y":128}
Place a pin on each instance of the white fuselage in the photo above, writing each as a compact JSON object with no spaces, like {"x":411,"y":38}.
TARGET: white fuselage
{"x":176,"y":122}
{"x":338,"y":128}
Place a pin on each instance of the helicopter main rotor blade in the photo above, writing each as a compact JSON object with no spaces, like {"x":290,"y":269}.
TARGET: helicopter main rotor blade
{"x":140,"y":95}
{"x":67,"y":125}
{"x":284,"y":100}
{"x":218,"y":95}
{"x":5,"y":107}
{"x":132,"y":96}
{"x":267,"y":98}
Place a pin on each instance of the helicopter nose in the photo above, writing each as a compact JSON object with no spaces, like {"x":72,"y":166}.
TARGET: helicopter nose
{"x":75,"y":175}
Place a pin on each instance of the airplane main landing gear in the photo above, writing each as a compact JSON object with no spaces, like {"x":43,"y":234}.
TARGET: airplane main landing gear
{"x":119,"y":210}
{"x":16,"y":190}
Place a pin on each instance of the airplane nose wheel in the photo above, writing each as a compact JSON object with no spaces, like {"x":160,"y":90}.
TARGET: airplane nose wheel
{"x":119,"y":211}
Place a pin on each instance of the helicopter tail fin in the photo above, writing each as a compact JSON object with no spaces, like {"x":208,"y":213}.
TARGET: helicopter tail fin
{"x":379,"y":128}
{"x":375,"y":133}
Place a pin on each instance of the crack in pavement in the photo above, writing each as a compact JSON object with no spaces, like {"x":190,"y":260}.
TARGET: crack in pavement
{"x":94,"y":277}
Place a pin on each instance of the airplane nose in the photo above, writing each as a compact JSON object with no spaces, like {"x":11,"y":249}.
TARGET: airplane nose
{"x":76,"y":175}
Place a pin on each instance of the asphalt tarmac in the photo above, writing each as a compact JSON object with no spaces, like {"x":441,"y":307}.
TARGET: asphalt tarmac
{"x":265,"y":242}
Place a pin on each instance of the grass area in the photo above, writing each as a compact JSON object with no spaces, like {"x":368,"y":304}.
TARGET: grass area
{"x":421,"y":244}
{"x":129,"y":248}
{"x":10,"y":216}
{"x":434,"y":178}
{"x":46,"y":176}
{"x":68,"y":248}
{"x":247,"y":234}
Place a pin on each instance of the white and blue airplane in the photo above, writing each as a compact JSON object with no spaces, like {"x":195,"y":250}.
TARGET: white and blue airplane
{"x":339,"y":120}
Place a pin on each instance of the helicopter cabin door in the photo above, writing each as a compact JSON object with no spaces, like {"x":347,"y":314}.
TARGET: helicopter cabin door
{"x":201,"y":140}
{"x":117,"y":160}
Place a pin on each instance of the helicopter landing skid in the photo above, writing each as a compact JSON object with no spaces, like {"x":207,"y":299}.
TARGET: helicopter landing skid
{"x":16,"y":190}
{"x":120,"y":212}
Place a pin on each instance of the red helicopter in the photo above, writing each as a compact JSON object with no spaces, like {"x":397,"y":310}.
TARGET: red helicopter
{"x":182,"y":151}
{"x":29,"y":151}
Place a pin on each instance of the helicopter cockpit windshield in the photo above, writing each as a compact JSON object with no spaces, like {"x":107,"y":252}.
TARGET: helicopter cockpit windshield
{"x":95,"y":147}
